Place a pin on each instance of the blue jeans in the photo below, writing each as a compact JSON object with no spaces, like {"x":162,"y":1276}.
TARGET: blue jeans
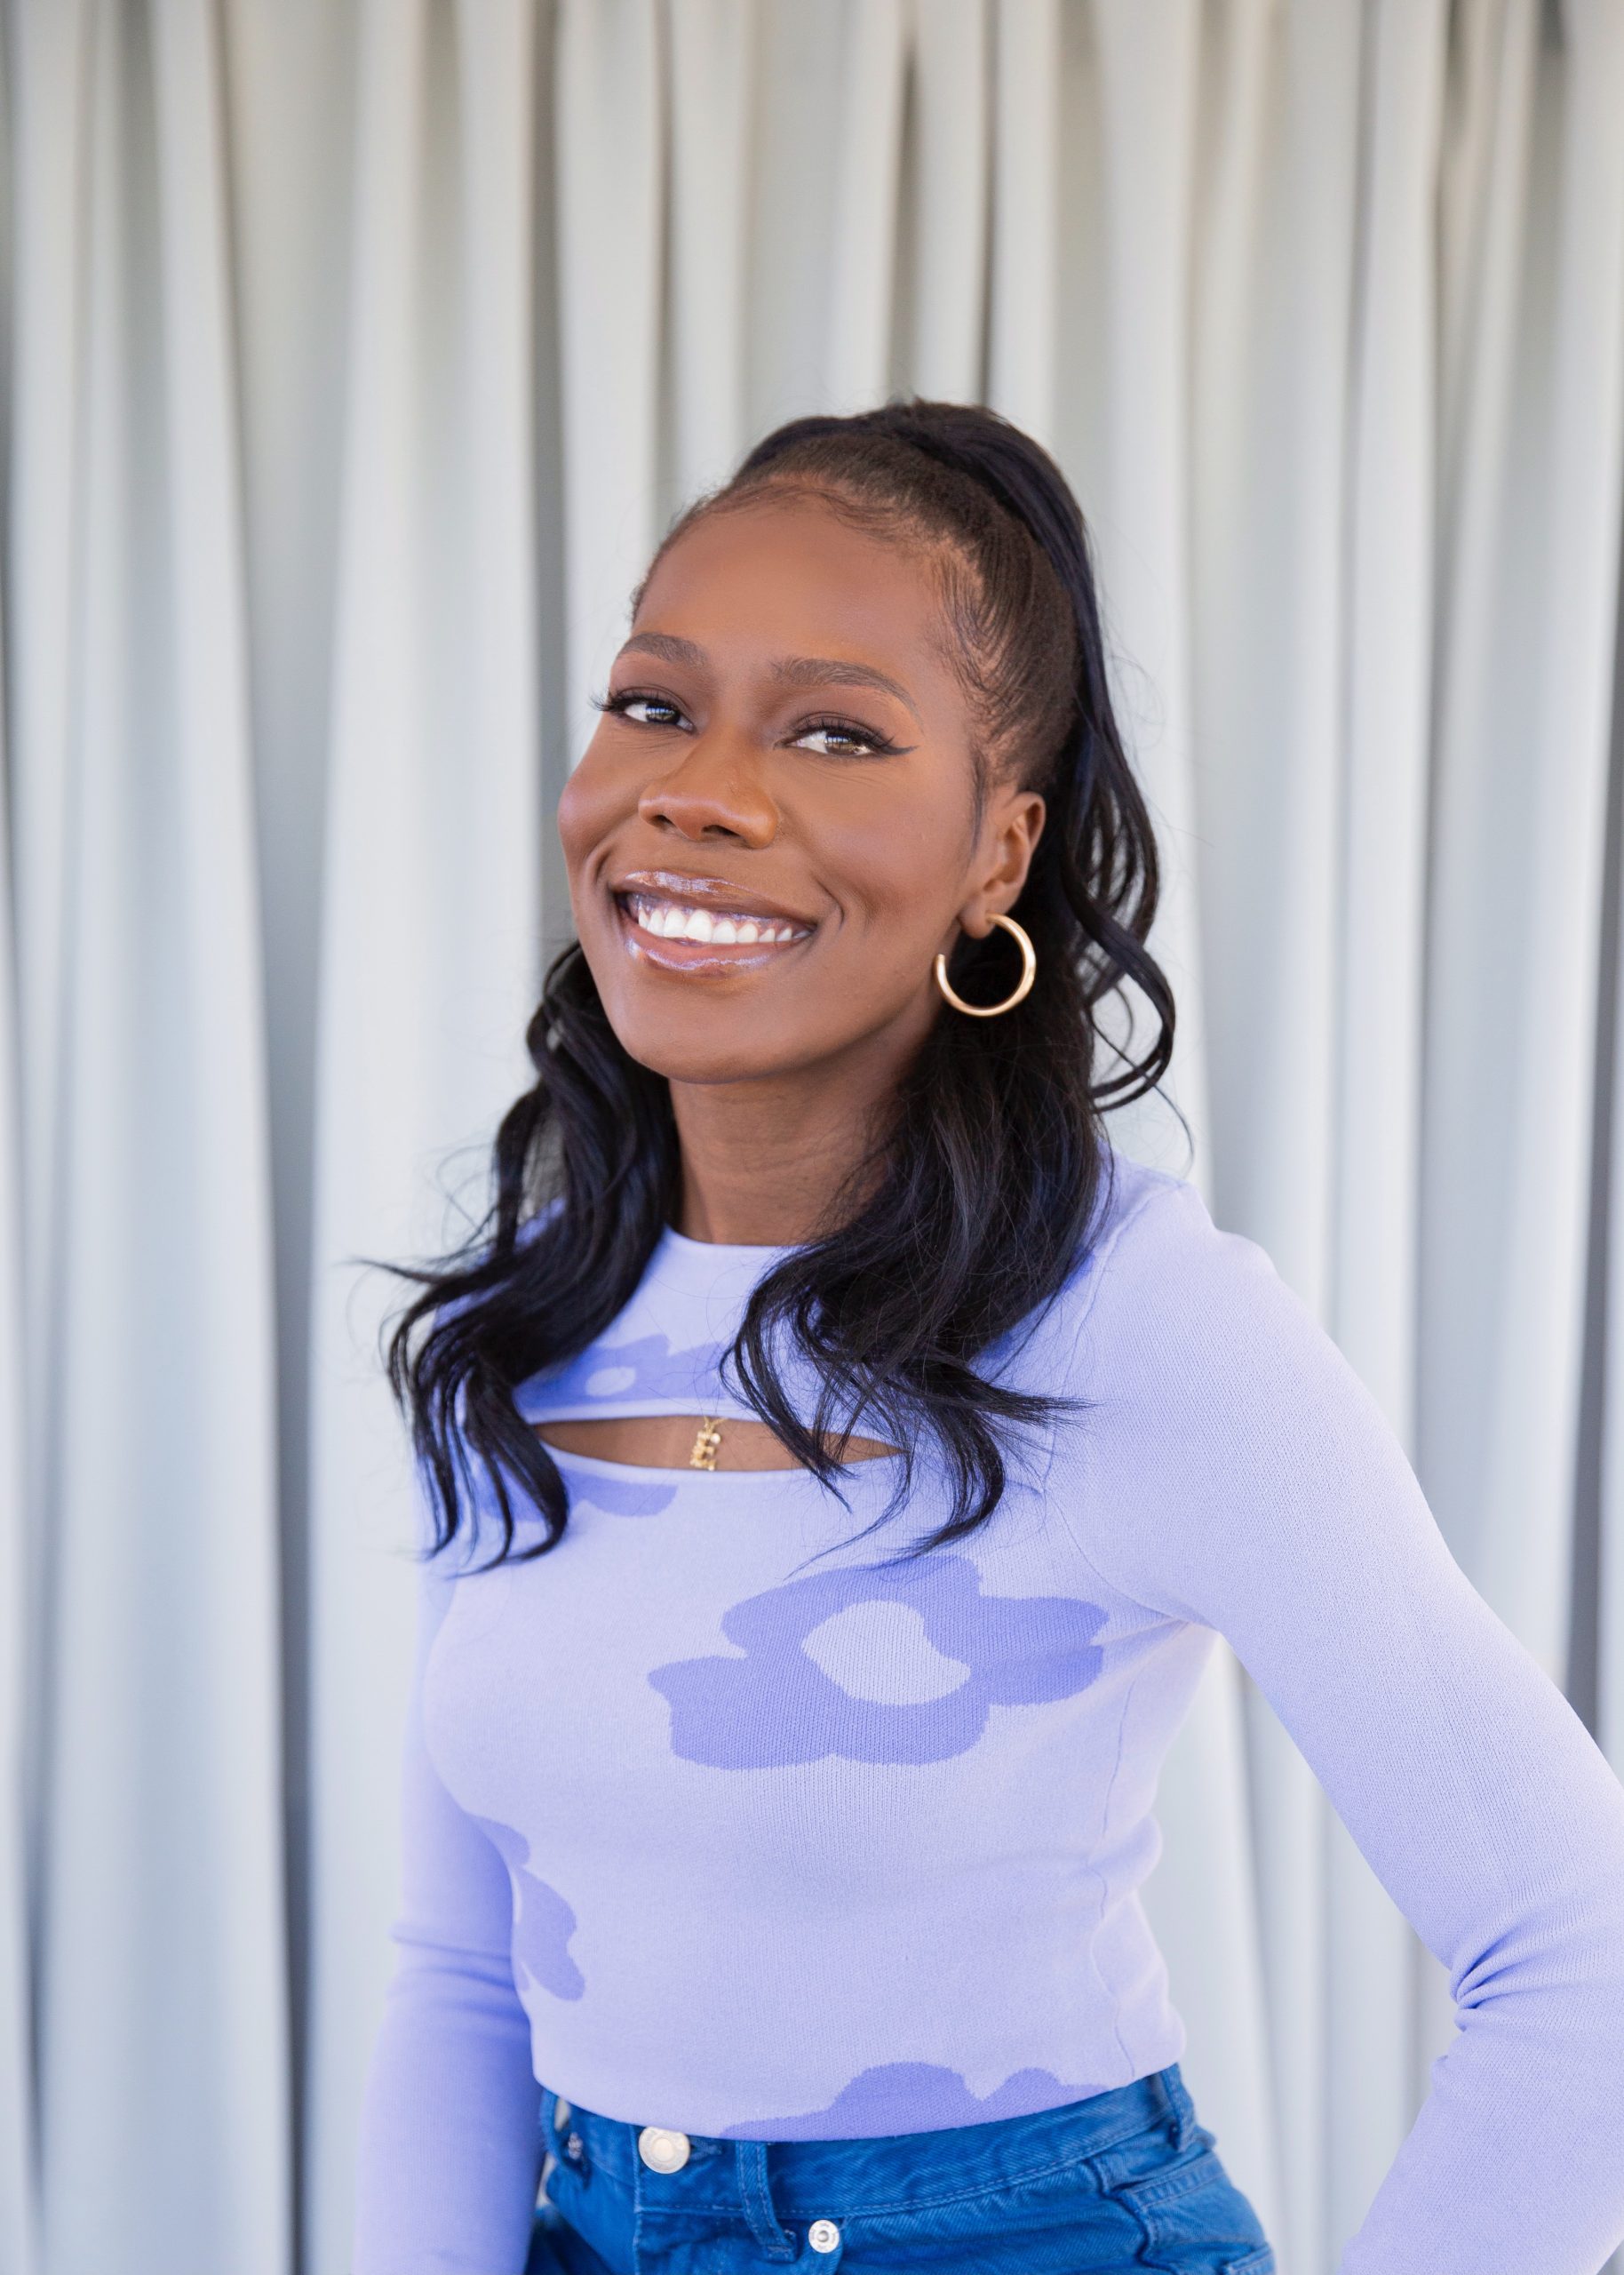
{"x":1125,"y":2180}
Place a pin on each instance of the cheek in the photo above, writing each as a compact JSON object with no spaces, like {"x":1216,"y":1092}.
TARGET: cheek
{"x":900,"y":870}
{"x":587,"y":809}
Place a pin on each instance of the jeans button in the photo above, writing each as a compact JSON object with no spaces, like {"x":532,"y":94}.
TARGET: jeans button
{"x":822,"y":2235}
{"x":661,"y":2149}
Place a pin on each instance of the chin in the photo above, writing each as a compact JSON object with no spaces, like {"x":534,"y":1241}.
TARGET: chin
{"x":684,"y":1052}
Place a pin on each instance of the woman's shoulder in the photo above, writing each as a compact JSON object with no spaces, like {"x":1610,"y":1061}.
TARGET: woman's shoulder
{"x":1038,"y":1352}
{"x":1159,"y":1286}
{"x":1142,"y":1218}
{"x":1173,"y":1315}
{"x":1131,"y":1194}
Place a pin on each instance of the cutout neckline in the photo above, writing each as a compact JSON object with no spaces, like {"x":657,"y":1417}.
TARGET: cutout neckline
{"x":676,"y":1472}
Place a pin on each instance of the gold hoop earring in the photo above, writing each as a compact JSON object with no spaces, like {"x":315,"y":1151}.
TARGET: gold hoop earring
{"x":1029,"y":972}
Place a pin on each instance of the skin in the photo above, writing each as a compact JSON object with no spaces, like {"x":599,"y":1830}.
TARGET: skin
{"x":731,"y":786}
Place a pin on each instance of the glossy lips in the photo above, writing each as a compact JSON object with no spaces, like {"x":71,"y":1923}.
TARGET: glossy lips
{"x":684,"y":924}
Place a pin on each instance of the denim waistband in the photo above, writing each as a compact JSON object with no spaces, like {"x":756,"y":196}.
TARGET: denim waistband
{"x":894,"y":2171}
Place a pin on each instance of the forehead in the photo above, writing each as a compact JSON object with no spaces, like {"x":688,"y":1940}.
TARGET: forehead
{"x":784,"y":573}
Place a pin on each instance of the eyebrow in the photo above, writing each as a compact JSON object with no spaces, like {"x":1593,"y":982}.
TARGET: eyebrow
{"x":787,"y":670}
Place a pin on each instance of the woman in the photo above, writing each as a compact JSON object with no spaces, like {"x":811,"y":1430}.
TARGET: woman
{"x":841,"y":1458}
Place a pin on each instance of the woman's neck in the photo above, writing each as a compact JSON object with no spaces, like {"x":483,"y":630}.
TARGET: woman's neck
{"x":765,"y":1163}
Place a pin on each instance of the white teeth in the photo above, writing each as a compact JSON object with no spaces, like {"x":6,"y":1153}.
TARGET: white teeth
{"x":670,"y":920}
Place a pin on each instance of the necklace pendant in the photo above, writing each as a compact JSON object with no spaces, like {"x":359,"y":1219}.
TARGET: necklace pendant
{"x":703,"y":1455}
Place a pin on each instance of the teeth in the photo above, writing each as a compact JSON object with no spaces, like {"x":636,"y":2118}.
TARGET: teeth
{"x":670,"y":920}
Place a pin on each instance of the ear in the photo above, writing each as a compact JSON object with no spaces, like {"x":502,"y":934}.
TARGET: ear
{"x":1010,"y":831}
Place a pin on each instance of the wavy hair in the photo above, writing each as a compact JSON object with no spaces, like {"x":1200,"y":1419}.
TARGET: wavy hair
{"x":979,"y":1197}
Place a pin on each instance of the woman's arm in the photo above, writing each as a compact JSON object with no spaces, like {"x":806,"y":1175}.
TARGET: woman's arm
{"x":451,"y":2140}
{"x":1238,"y":1473}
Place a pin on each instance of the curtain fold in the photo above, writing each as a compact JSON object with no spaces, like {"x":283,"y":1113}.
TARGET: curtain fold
{"x":1376,"y":1010}
{"x":610,"y":164}
{"x":18,"y":2233}
{"x":710,"y":113}
{"x":356,"y":354}
{"x":430,"y":906}
{"x":161,"y":2019}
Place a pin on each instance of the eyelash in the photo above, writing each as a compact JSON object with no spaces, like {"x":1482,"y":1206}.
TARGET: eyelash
{"x":875,"y":745}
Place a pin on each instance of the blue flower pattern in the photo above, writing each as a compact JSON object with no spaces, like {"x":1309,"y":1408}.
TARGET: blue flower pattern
{"x":913,"y":2097}
{"x":777,"y":1705}
{"x":621,"y":1496}
{"x":543,"y":1922}
{"x":644,"y":1367}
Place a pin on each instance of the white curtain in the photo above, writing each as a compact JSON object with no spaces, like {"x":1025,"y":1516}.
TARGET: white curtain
{"x":356,"y":352}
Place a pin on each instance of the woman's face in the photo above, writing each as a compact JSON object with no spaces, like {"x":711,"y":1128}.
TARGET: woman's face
{"x":772,"y":831}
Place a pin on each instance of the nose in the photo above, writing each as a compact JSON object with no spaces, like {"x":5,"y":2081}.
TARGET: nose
{"x":716,"y":791}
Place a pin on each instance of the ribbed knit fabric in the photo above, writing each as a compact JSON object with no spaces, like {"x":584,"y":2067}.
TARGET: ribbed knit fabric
{"x":706,"y":1828}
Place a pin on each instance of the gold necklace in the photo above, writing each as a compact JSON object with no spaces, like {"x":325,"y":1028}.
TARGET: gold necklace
{"x":703,"y":1455}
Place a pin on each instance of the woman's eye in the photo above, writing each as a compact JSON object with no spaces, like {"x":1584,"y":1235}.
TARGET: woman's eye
{"x":832,"y":738}
{"x":843,"y":739}
{"x":646,"y":710}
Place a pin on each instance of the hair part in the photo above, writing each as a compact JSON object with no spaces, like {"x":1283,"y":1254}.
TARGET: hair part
{"x":977,"y":1200}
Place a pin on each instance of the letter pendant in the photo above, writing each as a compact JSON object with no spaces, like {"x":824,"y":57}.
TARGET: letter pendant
{"x":704,"y":1455}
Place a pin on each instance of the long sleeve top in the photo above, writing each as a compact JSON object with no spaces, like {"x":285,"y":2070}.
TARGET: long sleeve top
{"x":718,"y":1817}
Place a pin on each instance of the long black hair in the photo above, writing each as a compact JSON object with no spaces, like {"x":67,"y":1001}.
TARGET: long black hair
{"x":980,"y":1196}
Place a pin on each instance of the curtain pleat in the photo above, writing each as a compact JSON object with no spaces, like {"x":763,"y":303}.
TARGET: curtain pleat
{"x":1381,"y":833}
{"x":1118,"y":383}
{"x":797,"y":145}
{"x":1019,"y":378}
{"x":1525,"y":675}
{"x":939,"y":320}
{"x":160,"y":1954}
{"x":41,"y":148}
{"x":431,"y":906}
{"x":290,"y":94}
{"x":17,"y":2235}
{"x":711,"y":108}
{"x":359,"y":352}
{"x":16,"y":2207}
{"x":1524,"y":662}
{"x":863,"y":183}
{"x":1274,"y":296}
{"x":611,"y":166}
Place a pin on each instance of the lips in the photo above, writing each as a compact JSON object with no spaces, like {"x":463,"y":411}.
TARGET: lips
{"x":687,"y":923}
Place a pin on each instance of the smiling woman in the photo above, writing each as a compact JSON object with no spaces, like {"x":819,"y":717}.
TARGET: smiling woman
{"x":722,"y":791}
{"x":774,"y":1900}
{"x":860,"y":722}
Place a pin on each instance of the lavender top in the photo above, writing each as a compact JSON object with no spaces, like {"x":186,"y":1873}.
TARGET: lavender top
{"x":707,"y":1831}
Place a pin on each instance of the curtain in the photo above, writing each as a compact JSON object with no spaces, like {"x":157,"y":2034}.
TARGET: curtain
{"x":356,"y":352}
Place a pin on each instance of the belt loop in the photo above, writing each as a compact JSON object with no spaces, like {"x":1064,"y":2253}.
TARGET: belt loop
{"x":756,"y":2190}
{"x":1184,"y":2110}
